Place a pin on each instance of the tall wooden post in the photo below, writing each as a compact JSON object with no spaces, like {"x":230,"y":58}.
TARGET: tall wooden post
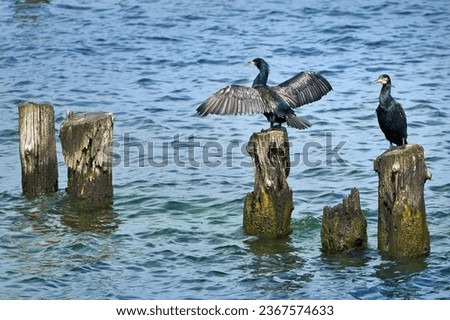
{"x":267,"y":210}
{"x":37,"y":149}
{"x":344,"y":226}
{"x":86,"y":145}
{"x":402,"y":225}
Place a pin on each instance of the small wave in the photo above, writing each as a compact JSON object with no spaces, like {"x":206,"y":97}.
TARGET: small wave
{"x":73,"y":7}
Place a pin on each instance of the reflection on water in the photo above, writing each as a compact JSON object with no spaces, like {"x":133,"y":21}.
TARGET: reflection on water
{"x":54,"y":239}
{"x":78,"y":215}
{"x":344,"y":260}
{"x":26,"y":11}
{"x":276,"y":267}
{"x":265,"y":247}
{"x":89,"y":216}
{"x":400,"y":268}
{"x":399,"y":277}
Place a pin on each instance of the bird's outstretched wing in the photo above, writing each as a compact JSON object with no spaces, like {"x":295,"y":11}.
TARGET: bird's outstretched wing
{"x":304,"y":88}
{"x":233,"y":99}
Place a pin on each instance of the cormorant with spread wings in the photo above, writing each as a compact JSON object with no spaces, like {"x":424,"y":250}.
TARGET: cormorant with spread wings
{"x":276,"y":103}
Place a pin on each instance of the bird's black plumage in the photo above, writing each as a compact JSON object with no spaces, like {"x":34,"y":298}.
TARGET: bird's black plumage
{"x":276,"y":102}
{"x":390,"y":114}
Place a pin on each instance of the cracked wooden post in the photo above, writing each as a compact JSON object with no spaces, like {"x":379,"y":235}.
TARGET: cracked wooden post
{"x":37,"y":149}
{"x":344,"y":227}
{"x":402,"y":225}
{"x":267,"y":210}
{"x":86,"y":141}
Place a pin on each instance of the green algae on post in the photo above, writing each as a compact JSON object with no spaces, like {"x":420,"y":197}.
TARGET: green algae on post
{"x":402,"y":225}
{"x":267,"y":210}
{"x":344,"y":227}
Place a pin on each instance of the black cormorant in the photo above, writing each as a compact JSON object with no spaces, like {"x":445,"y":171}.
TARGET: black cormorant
{"x":390,"y":114}
{"x":276,"y":102}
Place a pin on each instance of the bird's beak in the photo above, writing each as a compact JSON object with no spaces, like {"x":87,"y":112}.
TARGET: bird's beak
{"x":376,"y":81}
{"x":251,"y":62}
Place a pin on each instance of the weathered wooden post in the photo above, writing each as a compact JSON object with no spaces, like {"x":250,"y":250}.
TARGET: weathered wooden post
{"x":86,"y":140}
{"x":344,"y":226}
{"x":37,"y":149}
{"x":402,"y":225}
{"x":267,"y":210}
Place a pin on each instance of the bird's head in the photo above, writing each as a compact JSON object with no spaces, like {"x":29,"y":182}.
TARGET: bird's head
{"x":260,"y":64}
{"x":383,"y":79}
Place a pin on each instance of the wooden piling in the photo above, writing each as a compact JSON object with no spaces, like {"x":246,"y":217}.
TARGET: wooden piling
{"x":86,"y":140}
{"x":344,"y":227}
{"x":37,"y":148}
{"x":267,"y":210}
{"x":402,"y":225}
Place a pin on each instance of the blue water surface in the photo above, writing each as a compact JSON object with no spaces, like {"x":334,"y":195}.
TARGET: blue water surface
{"x":174,"y":229}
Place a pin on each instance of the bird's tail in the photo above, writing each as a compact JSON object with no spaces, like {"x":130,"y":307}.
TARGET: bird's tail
{"x":297,"y":122}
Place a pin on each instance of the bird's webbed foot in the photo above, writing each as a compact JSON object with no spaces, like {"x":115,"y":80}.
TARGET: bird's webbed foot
{"x":272,"y":127}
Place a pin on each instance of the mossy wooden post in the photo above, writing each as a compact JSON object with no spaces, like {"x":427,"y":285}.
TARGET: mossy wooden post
{"x":402,"y":225}
{"x":37,"y":149}
{"x":344,"y":227}
{"x":86,"y":140}
{"x":267,"y":210}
